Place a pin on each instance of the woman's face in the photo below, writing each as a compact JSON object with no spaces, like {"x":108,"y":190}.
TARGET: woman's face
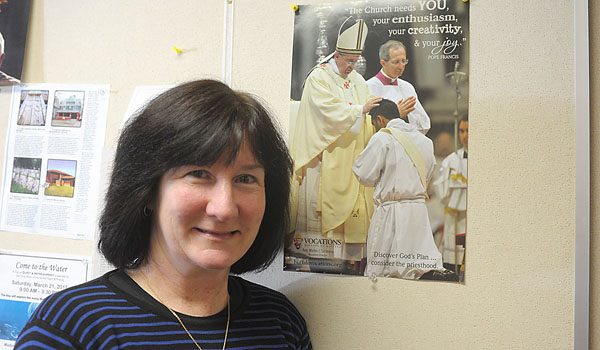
{"x":206,"y":217}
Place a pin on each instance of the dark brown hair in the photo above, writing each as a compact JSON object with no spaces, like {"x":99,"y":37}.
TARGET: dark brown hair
{"x":194,"y":123}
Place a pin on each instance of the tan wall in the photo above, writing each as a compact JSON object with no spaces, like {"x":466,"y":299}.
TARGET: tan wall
{"x":521,"y":268}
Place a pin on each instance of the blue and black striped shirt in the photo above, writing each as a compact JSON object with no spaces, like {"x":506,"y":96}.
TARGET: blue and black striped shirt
{"x":113,"y":312}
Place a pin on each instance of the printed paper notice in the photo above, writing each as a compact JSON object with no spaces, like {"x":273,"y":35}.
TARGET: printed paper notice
{"x":140,"y":98}
{"x":25,"y":280}
{"x":52,"y":162}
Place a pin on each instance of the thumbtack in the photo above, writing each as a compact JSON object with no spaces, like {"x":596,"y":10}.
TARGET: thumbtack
{"x":294,"y":7}
{"x":178,"y":51}
{"x":465,"y":0}
{"x":373,"y":277}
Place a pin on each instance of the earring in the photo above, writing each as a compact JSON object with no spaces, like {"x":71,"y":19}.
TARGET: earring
{"x":147,"y":211}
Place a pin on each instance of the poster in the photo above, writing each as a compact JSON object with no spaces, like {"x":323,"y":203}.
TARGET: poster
{"x":140,"y":98}
{"x":14,"y":19}
{"x":435,"y":63}
{"x":25,"y":280}
{"x":52,"y":161}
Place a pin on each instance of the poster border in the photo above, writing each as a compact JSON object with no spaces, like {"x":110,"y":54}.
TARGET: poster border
{"x":334,"y":13}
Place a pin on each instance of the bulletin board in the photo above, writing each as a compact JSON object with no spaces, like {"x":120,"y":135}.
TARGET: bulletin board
{"x":525,"y":288}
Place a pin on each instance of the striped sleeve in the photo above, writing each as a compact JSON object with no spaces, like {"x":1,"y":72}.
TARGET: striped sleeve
{"x":40,"y":335}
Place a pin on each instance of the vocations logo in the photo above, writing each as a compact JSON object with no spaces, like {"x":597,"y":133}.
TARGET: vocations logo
{"x":298,"y":242}
{"x":323,"y":241}
{"x":311,"y":241}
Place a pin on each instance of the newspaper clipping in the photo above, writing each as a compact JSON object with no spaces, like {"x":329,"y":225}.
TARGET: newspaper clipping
{"x":53,"y":156}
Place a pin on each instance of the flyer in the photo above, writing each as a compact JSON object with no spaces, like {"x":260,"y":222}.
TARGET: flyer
{"x":26,"y":278}
{"x":414,"y":53}
{"x":141,"y":96}
{"x":52,"y":162}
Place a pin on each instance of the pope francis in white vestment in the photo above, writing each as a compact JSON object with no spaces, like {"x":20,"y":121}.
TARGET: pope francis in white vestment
{"x":331,"y":130}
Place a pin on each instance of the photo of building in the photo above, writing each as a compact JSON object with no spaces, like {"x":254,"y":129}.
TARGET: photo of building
{"x":60,"y":178}
{"x":68,"y":108}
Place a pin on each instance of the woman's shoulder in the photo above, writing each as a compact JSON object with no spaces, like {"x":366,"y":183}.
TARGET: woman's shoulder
{"x":260,"y":299}
{"x":60,"y":317}
{"x":272,"y":310}
{"x":261,"y":294}
{"x":69,"y":298}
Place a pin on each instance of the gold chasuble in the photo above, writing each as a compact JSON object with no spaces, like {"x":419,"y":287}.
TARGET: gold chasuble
{"x":324,"y":131}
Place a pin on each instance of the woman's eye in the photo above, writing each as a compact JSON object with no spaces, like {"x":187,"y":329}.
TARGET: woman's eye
{"x":246,"y":179}
{"x":198,"y":173}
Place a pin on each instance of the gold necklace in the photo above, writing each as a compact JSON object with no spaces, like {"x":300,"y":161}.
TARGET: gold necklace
{"x":179,"y":319}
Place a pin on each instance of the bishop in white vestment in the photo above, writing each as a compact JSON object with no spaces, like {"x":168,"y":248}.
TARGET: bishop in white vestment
{"x":387,"y":84}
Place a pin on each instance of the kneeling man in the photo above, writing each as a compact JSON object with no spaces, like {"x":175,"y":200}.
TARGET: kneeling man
{"x":398,"y":161}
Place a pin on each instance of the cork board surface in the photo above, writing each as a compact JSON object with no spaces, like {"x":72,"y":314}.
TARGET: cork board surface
{"x":520,"y":288}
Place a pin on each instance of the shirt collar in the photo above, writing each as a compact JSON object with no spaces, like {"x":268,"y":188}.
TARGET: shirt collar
{"x":334,"y":66}
{"x":401,"y":124}
{"x":385,"y":79}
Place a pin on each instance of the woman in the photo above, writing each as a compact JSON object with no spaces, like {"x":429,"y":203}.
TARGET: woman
{"x":199,"y":190}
